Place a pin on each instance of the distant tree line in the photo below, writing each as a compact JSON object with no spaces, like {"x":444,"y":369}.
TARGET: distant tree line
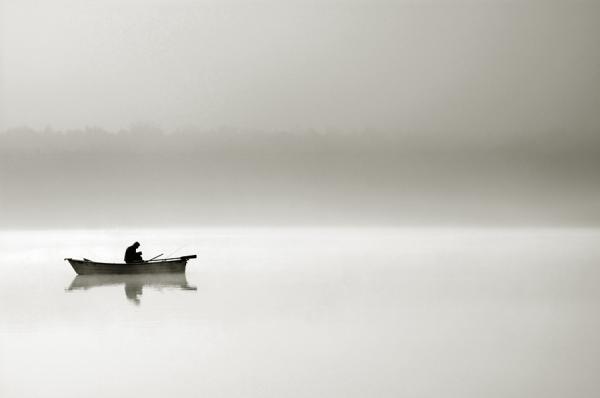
{"x":150,"y":139}
{"x":143,"y":175}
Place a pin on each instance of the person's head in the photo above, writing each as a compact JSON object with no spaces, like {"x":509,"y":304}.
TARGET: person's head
{"x":136,"y":244}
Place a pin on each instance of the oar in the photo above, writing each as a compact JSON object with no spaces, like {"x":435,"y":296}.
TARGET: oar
{"x":156,"y":257}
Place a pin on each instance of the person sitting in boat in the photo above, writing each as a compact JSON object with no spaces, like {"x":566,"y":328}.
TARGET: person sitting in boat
{"x":133,"y":256}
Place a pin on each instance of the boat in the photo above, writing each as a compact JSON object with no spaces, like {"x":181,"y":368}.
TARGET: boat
{"x":166,"y":265}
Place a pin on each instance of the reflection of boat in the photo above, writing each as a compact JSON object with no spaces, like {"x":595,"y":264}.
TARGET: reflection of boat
{"x":88,"y":267}
{"x":134,"y":284}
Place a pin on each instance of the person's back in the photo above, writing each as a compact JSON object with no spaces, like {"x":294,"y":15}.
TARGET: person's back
{"x":133,"y":256}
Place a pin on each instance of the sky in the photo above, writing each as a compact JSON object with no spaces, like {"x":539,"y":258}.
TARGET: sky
{"x":481,"y":66}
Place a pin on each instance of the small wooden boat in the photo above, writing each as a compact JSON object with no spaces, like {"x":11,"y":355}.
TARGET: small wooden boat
{"x":167,"y":265}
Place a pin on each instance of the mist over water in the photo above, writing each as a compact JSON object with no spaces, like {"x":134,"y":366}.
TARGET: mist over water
{"x":407,"y":202}
{"x":305,"y":312}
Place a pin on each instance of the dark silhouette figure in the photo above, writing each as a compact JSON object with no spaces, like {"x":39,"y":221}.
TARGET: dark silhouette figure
{"x":133,"y":256}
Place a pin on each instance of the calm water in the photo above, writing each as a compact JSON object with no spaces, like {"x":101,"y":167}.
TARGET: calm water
{"x":305,"y":313}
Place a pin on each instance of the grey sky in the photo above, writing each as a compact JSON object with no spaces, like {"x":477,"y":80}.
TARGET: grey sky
{"x":481,"y":66}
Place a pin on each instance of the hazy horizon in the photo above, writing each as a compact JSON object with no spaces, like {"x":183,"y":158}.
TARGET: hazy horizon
{"x":146,"y":177}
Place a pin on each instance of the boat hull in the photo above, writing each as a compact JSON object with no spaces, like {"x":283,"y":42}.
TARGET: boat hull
{"x":83,"y":267}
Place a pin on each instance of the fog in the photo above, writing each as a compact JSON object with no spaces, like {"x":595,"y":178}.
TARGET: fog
{"x":381,"y":198}
{"x":478,"y":66}
{"x":146,"y":177}
{"x":155,"y":113}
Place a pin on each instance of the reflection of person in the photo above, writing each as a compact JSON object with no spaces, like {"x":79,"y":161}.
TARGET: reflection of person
{"x":133,"y":291}
{"x":133,"y":256}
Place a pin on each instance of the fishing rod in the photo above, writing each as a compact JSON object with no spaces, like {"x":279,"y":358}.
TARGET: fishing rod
{"x":176,"y":250}
{"x":190,"y":256}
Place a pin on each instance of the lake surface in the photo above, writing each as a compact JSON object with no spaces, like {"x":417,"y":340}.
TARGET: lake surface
{"x":305,"y":312}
